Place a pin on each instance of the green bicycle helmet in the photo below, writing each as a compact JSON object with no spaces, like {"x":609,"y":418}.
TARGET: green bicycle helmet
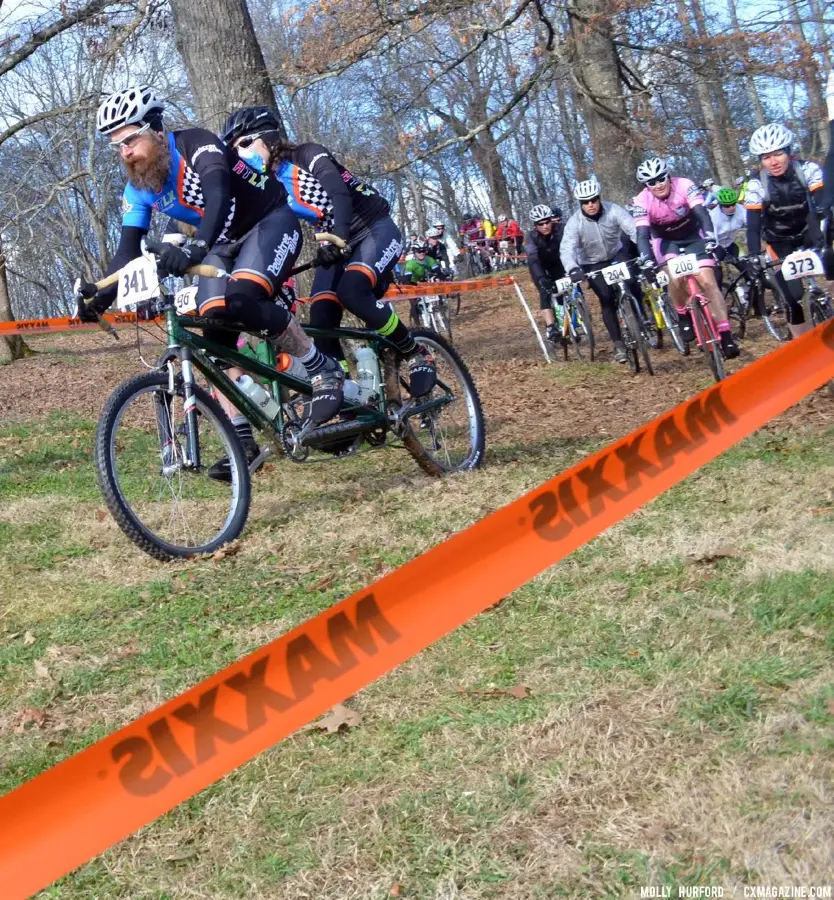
{"x":726,"y":196}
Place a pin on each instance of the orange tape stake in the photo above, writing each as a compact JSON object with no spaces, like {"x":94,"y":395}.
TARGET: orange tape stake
{"x":64,"y":817}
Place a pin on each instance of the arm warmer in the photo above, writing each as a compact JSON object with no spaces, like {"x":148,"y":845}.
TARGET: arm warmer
{"x":644,"y":241}
{"x":533,"y":261}
{"x":703,"y":219}
{"x":754,"y":232}
{"x":217,"y":192}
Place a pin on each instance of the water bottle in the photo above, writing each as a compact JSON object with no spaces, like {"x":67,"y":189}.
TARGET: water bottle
{"x":559,"y":312}
{"x":258,"y":396}
{"x":352,"y":391}
{"x":367,"y":367}
{"x":292,"y":365}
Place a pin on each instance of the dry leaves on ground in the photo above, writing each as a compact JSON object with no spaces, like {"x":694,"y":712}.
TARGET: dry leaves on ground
{"x":340,"y":718}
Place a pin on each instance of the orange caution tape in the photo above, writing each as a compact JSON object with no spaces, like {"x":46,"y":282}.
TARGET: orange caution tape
{"x":119,"y":320}
{"x":63,"y":323}
{"x":446,"y":287}
{"x":74,"y":811}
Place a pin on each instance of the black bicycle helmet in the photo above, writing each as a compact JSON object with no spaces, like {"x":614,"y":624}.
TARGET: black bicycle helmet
{"x":248,"y":120}
{"x":557,"y":211}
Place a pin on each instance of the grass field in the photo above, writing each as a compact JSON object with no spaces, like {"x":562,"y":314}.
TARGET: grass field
{"x":679,"y":723}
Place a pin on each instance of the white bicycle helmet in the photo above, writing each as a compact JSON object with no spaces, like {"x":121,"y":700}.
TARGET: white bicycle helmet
{"x":433,"y":233}
{"x":540,"y":213}
{"x":132,"y":106}
{"x":502,"y":218}
{"x":652,"y":168}
{"x":769,"y":138}
{"x":587,"y":190}
{"x":438,"y":224}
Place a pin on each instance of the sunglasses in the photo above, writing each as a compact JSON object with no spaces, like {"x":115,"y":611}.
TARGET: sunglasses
{"x":130,"y":141}
{"x":589,"y":201}
{"x":247,"y":141}
{"x":545,"y":222}
{"x":654,"y":182}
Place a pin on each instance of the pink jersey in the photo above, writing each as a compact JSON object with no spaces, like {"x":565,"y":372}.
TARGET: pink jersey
{"x":672,"y":216}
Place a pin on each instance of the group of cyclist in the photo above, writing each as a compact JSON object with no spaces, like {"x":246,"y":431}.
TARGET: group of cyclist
{"x":782,"y":212}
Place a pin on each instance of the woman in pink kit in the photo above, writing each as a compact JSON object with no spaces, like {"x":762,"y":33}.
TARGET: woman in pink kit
{"x":671,"y":220}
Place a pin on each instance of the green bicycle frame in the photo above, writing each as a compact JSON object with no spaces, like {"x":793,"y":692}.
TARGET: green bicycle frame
{"x":191,"y":348}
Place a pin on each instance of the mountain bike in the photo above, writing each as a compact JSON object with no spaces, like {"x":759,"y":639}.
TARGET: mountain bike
{"x":634,"y":325}
{"x":807,"y":266}
{"x":686,"y":266}
{"x":573,"y":319}
{"x":746,"y":295}
{"x":663,"y":311}
{"x":160,"y":431}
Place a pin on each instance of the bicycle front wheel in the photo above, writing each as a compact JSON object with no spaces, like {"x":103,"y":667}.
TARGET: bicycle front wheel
{"x":711,"y":343}
{"x":451,"y":436}
{"x":163,"y":503}
{"x":775,"y":315}
{"x":584,"y":326}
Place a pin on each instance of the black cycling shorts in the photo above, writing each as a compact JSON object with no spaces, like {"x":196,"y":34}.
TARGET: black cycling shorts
{"x":265,"y":255}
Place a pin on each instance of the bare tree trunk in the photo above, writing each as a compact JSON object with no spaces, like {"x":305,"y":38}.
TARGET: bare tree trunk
{"x":222,"y":56}
{"x":730,"y":158}
{"x":599,"y":88}
{"x":813,"y":85}
{"x":717,"y":145}
{"x":12,"y":347}
{"x":823,"y":45}
{"x":740,"y":46}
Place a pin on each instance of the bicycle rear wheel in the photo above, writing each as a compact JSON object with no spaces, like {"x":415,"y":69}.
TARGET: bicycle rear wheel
{"x":711,"y":343}
{"x":164,"y":505}
{"x":821,"y":310}
{"x":451,"y":437}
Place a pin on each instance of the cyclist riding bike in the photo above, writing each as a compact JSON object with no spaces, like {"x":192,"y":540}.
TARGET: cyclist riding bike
{"x":447,"y":241}
{"x":708,"y":191}
{"x":421,"y":267}
{"x":671,"y":220}
{"x":729,"y":217}
{"x":781,"y":210}
{"x":544,"y":262}
{"x":509,"y":230}
{"x":593,"y":240}
{"x":243,"y":226}
{"x":436,"y":249}
{"x":323,"y":191}
{"x":472,"y":233}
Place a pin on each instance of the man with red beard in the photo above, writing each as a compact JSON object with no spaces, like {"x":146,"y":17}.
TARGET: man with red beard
{"x":243,"y":226}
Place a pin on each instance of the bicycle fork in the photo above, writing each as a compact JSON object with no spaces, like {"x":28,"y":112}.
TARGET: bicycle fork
{"x":163,"y":406}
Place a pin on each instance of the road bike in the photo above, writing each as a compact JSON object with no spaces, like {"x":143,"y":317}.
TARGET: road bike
{"x":159,"y":432}
{"x":474,"y":260}
{"x":686,"y":267}
{"x":635,"y":326}
{"x":573,"y":320}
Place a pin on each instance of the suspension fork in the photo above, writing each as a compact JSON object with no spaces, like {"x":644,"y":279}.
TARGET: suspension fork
{"x":192,"y":438}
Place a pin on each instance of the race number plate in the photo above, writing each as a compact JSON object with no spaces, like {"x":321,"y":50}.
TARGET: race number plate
{"x":662,"y":279}
{"x":801,"y":263}
{"x":616,"y":273}
{"x":186,"y":301}
{"x":137,"y":281}
{"x":681,"y":266}
{"x":563,"y":285}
